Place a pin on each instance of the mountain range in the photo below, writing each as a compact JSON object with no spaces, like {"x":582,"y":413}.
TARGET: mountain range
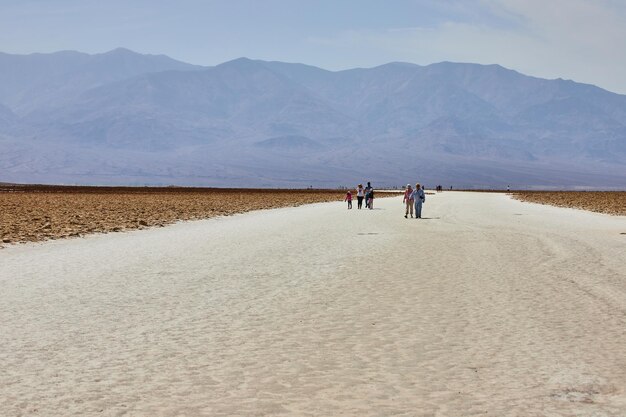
{"x":126,"y":118}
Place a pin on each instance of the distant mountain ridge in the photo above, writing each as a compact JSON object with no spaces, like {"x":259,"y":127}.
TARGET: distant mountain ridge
{"x":127,"y":118}
{"x":30,"y":82}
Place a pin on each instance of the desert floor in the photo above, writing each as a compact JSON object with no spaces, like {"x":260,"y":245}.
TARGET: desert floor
{"x":487,"y":306}
{"x":609,"y":202}
{"x":31,"y":213}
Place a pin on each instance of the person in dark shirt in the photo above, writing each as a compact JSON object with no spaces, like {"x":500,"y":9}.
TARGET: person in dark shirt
{"x":369,"y":196}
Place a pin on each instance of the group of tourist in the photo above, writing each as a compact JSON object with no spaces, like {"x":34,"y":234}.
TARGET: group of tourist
{"x":362,"y":193}
{"x":413,"y":198}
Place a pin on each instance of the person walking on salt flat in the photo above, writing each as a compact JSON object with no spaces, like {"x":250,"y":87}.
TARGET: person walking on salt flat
{"x":348,"y":199}
{"x":369,"y":196}
{"x":408,"y":200}
{"x":360,"y":193}
{"x":419,"y":197}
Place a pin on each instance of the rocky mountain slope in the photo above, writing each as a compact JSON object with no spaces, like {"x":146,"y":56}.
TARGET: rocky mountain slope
{"x":127,"y":118}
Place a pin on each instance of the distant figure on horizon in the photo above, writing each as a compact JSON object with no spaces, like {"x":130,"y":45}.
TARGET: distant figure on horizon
{"x":360,"y":193}
{"x":408,"y":200}
{"x":348,"y":199}
{"x":419,"y":197}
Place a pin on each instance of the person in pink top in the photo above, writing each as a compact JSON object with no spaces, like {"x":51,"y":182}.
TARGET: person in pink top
{"x":408,"y":199}
{"x":348,"y":199}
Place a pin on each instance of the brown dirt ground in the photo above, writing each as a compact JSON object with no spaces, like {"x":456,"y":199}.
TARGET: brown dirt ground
{"x":608,"y":202}
{"x":35,"y":213}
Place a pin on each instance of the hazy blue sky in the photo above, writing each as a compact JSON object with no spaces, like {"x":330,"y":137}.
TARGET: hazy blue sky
{"x":584,"y":40}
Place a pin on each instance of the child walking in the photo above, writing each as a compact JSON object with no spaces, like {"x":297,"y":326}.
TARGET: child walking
{"x":348,"y":199}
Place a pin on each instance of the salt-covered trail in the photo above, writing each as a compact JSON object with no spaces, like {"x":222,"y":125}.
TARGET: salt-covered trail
{"x":488,"y":306}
